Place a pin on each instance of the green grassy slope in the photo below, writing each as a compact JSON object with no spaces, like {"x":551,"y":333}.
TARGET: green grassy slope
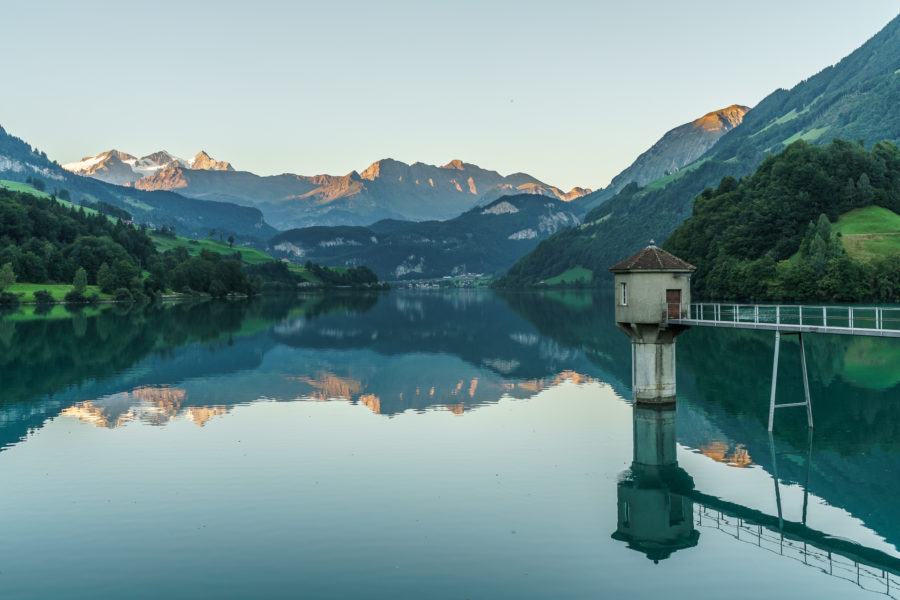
{"x":250,"y":256}
{"x":25,"y":291}
{"x":869,"y":232}
{"x":17,"y":186}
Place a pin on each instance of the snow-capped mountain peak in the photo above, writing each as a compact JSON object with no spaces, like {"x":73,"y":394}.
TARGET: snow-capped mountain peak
{"x":120,"y":168}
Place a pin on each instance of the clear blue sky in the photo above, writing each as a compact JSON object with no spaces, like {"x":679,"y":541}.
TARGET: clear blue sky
{"x":568,"y":91}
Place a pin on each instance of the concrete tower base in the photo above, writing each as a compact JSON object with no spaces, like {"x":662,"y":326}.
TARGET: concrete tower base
{"x":653,"y":362}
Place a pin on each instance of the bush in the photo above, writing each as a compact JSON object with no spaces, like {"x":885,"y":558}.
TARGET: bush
{"x":8,"y":299}
{"x":43,"y":297}
{"x":75,"y":297}
{"x":123,"y":295}
{"x":217,"y":289}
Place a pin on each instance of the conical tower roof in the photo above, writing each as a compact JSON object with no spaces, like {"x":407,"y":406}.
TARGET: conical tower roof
{"x":652,"y":258}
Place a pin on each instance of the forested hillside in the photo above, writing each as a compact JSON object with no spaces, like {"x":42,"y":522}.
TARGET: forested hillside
{"x":770,"y":235}
{"x":42,"y":241}
{"x":855,"y":99}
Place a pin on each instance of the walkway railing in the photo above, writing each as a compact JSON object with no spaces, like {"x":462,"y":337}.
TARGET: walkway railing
{"x":848,"y":320}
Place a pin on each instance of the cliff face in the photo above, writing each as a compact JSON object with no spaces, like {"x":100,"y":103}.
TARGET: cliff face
{"x":680,"y":147}
{"x":204,"y":162}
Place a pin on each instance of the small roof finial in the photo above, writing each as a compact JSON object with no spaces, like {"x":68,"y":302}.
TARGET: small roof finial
{"x":652,"y":243}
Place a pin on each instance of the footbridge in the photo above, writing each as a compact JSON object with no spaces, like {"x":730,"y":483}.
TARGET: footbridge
{"x":874,"y":321}
{"x":841,"y":320}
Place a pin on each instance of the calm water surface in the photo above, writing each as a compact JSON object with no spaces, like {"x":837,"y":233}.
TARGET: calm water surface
{"x":434,"y":445}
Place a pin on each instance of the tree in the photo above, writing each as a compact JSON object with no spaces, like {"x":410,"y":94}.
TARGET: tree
{"x":7,"y":276}
{"x":231,"y":241}
{"x":79,"y":283}
{"x":864,"y":191}
{"x":105,"y":279}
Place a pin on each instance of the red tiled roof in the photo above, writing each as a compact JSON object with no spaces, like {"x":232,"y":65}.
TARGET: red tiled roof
{"x":652,"y":258}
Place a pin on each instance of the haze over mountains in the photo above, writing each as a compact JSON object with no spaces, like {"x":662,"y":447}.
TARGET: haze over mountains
{"x":386,"y":189}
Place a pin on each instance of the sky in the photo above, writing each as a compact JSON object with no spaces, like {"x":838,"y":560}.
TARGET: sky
{"x":570,"y":92}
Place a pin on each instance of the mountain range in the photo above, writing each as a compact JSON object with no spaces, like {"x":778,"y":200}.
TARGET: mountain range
{"x":426,"y":210}
{"x":386,"y":189}
{"x":853,"y":100}
{"x":190,"y":217}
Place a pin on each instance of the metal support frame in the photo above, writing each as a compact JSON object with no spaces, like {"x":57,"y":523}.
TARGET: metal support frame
{"x":775,"y":478}
{"x":807,"y":403}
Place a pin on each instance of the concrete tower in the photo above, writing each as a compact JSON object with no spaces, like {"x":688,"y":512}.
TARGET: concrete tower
{"x":652,"y":287}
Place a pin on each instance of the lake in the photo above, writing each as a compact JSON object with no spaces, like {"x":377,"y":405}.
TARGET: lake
{"x":430,"y":444}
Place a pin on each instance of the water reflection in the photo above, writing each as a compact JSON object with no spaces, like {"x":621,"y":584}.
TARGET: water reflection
{"x":660,"y":511}
{"x":153,"y":365}
{"x":655,"y":511}
{"x":453,"y":353}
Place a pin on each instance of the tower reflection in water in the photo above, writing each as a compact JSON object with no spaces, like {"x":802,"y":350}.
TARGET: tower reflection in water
{"x":655,"y":511}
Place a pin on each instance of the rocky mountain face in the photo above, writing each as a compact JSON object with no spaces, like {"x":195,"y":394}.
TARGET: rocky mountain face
{"x":485,"y":240}
{"x":680,"y":147}
{"x":677,"y":149}
{"x":852,"y":100}
{"x":204,"y":162}
{"x":386,"y":189}
{"x":120,"y":168}
{"x":190,"y":217}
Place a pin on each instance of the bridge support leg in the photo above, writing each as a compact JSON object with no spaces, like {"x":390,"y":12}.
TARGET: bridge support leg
{"x":775,"y":479}
{"x":805,"y":381}
{"x":809,"y":449}
{"x":774,"y":381}
{"x":806,"y":400}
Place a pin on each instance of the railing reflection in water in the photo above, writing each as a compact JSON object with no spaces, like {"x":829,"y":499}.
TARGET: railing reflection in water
{"x":867,"y":577}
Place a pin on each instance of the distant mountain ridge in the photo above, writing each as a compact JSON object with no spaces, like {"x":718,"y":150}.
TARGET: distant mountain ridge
{"x":486,"y":239}
{"x":386,"y":189}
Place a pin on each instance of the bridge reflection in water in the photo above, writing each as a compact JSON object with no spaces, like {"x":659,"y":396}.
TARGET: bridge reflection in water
{"x":661,"y":512}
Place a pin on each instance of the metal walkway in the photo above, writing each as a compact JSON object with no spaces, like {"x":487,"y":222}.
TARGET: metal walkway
{"x":789,"y":320}
{"x":842,"y":320}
